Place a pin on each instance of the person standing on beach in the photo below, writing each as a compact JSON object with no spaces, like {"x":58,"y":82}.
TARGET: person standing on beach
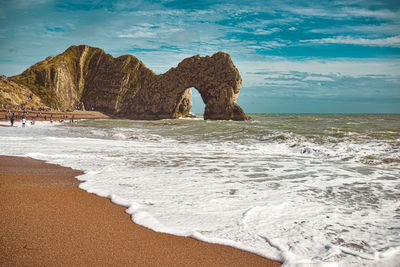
{"x":23,"y":121}
{"x":12,"y":120}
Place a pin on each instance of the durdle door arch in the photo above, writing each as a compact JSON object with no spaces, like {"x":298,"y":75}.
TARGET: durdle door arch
{"x":125,"y":87}
{"x":169,"y":95}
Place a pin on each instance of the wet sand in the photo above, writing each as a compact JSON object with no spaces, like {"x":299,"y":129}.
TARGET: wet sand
{"x":47,"y":221}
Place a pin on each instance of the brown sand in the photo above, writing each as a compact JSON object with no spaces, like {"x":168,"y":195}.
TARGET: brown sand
{"x":45,"y":220}
{"x":57,"y":115}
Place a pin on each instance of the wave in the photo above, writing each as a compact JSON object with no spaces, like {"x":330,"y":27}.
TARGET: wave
{"x":307,"y":194}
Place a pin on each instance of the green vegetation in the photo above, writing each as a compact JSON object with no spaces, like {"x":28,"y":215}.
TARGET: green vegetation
{"x":29,"y":78}
{"x":132,"y":69}
{"x":12,"y":93}
{"x":100,"y":74}
{"x":40,"y":78}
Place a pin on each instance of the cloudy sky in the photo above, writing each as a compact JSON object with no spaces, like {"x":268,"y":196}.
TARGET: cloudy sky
{"x":293,"y":56}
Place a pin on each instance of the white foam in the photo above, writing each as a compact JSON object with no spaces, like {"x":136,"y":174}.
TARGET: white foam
{"x":300,"y":204}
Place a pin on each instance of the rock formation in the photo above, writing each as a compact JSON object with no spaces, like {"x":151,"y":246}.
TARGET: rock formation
{"x":12,"y":94}
{"x":125,"y":87}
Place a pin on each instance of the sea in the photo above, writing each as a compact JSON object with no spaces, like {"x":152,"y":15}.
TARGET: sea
{"x":303,"y":189}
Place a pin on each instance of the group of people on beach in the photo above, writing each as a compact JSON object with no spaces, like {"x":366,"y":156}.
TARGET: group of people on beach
{"x":12,"y":117}
{"x":23,"y":120}
{"x":13,"y":113}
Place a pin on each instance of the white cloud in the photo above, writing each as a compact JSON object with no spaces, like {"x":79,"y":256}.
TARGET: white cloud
{"x":178,"y":15}
{"x":254,"y":73}
{"x":146,"y":30}
{"x":264,"y":24}
{"x":138,"y":34}
{"x":371,"y":30}
{"x":379,"y":14}
{"x":271,"y":44}
{"x":343,"y":12}
{"x":314,"y":12}
{"x":318,"y":78}
{"x":393,"y":41}
{"x":282,"y":82}
{"x":266,"y":31}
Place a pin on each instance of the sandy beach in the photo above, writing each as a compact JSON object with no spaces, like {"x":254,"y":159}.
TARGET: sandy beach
{"x":46,"y":220}
{"x":57,"y":115}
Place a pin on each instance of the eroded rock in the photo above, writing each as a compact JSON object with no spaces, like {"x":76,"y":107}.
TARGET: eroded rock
{"x":12,"y":94}
{"x":124,"y":86}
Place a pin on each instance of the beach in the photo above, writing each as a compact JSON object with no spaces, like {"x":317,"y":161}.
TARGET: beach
{"x":294,"y":188}
{"x":48,"y":221}
{"x":47,"y":115}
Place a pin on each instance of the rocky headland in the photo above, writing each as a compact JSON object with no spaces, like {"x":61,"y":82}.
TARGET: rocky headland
{"x":85,"y":76}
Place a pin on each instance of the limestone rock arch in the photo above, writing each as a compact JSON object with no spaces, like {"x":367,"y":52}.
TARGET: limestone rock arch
{"x":168,"y":95}
{"x":125,"y":87}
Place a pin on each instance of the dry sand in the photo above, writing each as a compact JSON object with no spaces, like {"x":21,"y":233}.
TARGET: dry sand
{"x":45,"y":220}
{"x":57,"y":115}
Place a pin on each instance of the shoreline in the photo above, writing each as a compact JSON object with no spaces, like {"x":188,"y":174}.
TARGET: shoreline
{"x":48,"y":220}
{"x":54,"y":115}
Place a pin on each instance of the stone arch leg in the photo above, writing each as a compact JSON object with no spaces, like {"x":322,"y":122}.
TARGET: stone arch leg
{"x":220,"y":104}
{"x":183,"y":104}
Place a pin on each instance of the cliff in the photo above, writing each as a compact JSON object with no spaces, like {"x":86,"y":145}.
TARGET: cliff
{"x":125,"y":87}
{"x":12,"y":94}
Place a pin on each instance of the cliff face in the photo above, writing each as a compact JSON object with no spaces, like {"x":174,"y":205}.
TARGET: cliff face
{"x":82,"y":75}
{"x":124,"y":86}
{"x":12,"y":93}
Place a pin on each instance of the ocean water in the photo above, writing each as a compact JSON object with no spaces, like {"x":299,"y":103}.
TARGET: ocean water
{"x":305,"y":189}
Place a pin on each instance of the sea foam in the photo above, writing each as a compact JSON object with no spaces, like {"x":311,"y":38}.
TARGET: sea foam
{"x":300,"y":195}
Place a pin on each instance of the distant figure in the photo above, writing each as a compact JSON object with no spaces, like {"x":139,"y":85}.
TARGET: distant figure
{"x":12,"y":120}
{"x":72,"y":118}
{"x":33,"y":122}
{"x":45,"y":117}
{"x":23,"y":121}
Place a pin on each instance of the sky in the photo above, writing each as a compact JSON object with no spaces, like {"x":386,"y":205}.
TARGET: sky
{"x":294,"y":56}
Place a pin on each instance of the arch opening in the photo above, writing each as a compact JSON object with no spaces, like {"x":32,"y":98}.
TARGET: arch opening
{"x":198,"y":105}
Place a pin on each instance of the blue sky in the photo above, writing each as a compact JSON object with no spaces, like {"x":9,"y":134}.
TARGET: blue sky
{"x":293,"y":56}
